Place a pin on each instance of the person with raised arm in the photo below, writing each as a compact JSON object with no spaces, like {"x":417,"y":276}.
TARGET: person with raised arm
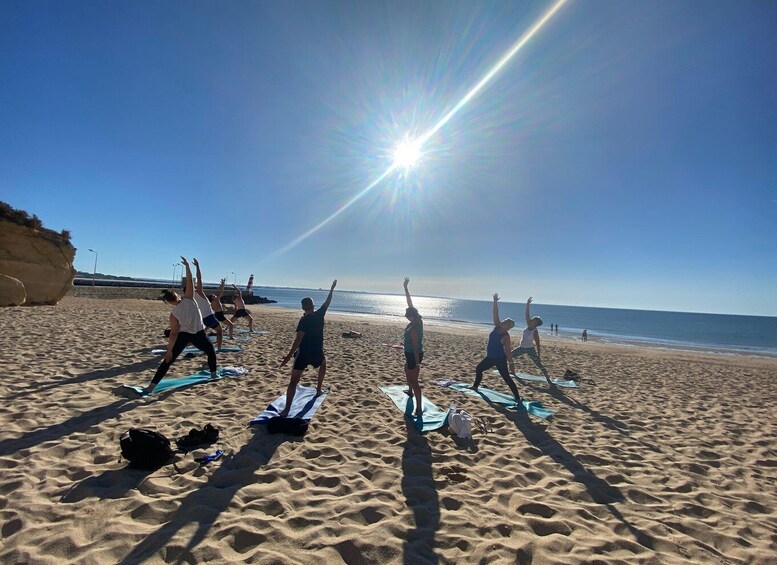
{"x":414,"y":349}
{"x":498,"y":352}
{"x":240,"y":309}
{"x":308,"y":347}
{"x":218,"y":308}
{"x":208,"y":317}
{"x":185,"y":327}
{"x":529,"y":338}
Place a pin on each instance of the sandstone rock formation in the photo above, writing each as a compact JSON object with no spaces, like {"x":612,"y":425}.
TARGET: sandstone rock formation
{"x":40,"y":259}
{"x":12,"y":291}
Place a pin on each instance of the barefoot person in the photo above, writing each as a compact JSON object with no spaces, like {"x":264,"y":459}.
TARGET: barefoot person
{"x":308,"y":347}
{"x":208,"y":317}
{"x":218,"y":308}
{"x":185,"y":327}
{"x":529,"y":338}
{"x":414,"y":349}
{"x":240,"y":309}
{"x":498,"y":352}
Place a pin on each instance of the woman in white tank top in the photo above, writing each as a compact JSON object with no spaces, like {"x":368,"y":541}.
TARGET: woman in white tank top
{"x":529,"y":338}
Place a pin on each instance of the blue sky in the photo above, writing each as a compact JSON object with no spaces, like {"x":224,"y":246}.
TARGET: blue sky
{"x":625,"y":157}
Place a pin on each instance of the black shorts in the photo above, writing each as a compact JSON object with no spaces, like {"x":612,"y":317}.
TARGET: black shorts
{"x":304,"y":359}
{"x":220,"y":316}
{"x":411,"y":359}
{"x":211,"y":321}
{"x":242,"y":313}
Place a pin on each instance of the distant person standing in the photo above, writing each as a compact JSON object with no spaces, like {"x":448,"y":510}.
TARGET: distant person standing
{"x":556,"y":329}
{"x":218,"y":308}
{"x":185,"y":327}
{"x":414,"y":349}
{"x":308,"y":347}
{"x":498,"y":352}
{"x":208,"y":317}
{"x":240,"y":309}
{"x":585,"y":335}
{"x":529,"y":339}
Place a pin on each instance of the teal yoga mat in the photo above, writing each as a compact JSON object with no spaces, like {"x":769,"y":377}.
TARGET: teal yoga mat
{"x":532,"y":407}
{"x":169,"y":384}
{"x":538,"y":379}
{"x":432,"y":417}
{"x":195,"y":351}
{"x":226,"y":338}
{"x":255,"y":332}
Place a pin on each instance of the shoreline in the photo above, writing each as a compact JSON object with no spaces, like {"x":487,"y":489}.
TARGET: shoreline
{"x":457,"y":326}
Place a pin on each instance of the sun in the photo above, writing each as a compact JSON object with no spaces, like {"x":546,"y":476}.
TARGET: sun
{"x":407,"y":154}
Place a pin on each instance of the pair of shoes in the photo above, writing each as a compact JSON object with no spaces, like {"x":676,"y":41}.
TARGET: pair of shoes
{"x":196,"y":438}
{"x":483,"y":426}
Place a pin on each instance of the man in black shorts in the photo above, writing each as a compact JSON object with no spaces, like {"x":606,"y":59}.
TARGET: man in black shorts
{"x":308,"y":347}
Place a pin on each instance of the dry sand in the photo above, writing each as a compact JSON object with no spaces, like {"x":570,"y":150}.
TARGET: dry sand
{"x":669,"y":458}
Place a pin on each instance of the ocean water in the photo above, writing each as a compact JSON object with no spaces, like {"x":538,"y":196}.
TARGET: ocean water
{"x":722,"y":333}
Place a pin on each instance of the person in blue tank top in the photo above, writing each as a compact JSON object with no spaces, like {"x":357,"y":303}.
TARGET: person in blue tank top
{"x":498,"y":352}
{"x":414,"y":349}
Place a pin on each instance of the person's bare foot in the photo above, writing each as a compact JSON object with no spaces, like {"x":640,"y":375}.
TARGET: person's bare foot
{"x":474,"y":387}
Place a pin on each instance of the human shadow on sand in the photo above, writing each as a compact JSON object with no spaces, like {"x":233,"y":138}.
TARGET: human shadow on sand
{"x":600,"y":491}
{"x":607,"y":421}
{"x":76,"y":424}
{"x":202,"y":506}
{"x":421,"y":496}
{"x":86,"y":377}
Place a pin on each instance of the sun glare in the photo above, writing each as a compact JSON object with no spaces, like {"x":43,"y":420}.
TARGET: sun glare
{"x":407,"y":154}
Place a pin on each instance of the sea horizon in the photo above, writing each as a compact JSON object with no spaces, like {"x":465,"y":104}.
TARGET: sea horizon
{"x":731,"y":334}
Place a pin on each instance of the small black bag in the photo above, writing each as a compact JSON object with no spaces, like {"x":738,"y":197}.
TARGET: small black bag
{"x":145,"y":449}
{"x":290,"y":426}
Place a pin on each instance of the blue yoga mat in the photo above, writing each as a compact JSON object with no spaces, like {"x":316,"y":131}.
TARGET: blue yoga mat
{"x":532,"y":407}
{"x":539,"y":379}
{"x":432,"y":418}
{"x":169,"y":384}
{"x":255,"y":332}
{"x":215,"y":338}
{"x":304,"y":405}
{"x":195,"y":351}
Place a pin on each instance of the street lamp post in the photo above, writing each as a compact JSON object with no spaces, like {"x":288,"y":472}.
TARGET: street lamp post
{"x":174,"y":267}
{"x":234,"y":278}
{"x":94,"y":273}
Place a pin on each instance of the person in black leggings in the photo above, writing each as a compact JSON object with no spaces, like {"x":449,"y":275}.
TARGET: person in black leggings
{"x":186,"y":327}
{"x":498,"y":352}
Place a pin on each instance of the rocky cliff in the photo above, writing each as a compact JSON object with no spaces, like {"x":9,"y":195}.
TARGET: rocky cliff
{"x":41,"y":260}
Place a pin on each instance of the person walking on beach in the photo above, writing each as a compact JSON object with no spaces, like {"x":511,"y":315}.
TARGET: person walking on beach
{"x":585,"y":335}
{"x":240,"y":309}
{"x":308,"y":347}
{"x":218,"y":308}
{"x":529,"y":338}
{"x":208,"y":317}
{"x":498,"y":352}
{"x":414,"y":350}
{"x":185,"y":327}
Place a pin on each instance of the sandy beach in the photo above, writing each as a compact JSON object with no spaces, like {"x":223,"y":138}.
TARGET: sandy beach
{"x":668,"y":457}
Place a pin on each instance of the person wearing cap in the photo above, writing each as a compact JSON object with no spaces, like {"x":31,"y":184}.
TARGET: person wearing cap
{"x":414,"y":349}
{"x":308,"y":347}
{"x":498,"y":352}
{"x":529,"y":338}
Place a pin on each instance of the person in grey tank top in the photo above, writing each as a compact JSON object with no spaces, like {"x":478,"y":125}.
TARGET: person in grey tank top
{"x":529,"y":339}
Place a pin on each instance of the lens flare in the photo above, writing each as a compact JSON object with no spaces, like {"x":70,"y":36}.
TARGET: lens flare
{"x":408,"y":152}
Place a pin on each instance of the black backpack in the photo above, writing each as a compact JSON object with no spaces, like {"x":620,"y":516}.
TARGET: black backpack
{"x":290,"y":426}
{"x":145,"y":449}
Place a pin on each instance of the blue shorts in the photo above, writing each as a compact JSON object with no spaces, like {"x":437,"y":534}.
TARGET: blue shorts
{"x":410,"y":358}
{"x":211,"y":321}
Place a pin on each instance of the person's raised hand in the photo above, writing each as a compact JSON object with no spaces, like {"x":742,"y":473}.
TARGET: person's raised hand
{"x":529,"y":301}
{"x":184,"y":261}
{"x":496,"y":297}
{"x":407,"y":282}
{"x":334,"y":284}
{"x":195,"y":263}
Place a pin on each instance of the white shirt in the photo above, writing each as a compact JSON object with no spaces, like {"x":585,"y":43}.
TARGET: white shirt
{"x":527,"y":339}
{"x":188,"y":315}
{"x":204,"y":305}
